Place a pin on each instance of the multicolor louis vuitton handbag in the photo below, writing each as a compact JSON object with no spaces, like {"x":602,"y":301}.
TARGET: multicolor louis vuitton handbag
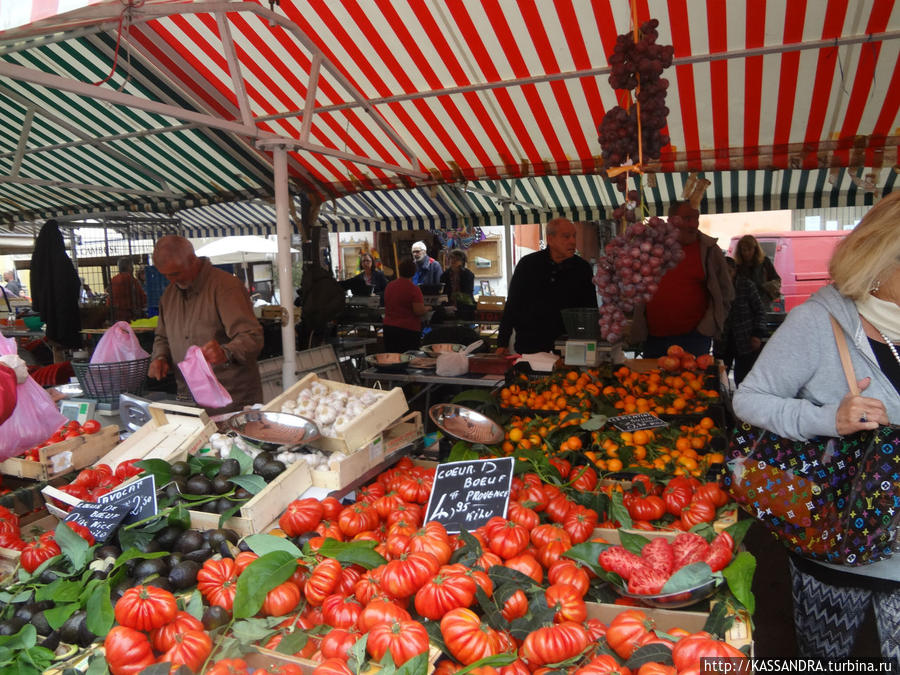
{"x":830,"y":499}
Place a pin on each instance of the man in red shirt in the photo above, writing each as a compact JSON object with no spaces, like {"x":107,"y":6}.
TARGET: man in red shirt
{"x":127,"y":300}
{"x":693,"y":299}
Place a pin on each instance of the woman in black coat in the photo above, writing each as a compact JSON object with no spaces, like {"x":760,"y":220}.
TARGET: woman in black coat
{"x":459,"y":284}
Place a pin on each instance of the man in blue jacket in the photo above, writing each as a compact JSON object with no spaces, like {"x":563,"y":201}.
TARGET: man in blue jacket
{"x":428,"y":270}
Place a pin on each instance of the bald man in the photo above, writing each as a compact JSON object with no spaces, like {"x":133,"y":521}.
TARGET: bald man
{"x":543,"y":284}
{"x":207,"y":307}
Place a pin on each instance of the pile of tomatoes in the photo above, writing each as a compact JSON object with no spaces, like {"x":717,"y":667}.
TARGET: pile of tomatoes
{"x":93,"y":482}
{"x":679,"y":504}
{"x":71,"y":429}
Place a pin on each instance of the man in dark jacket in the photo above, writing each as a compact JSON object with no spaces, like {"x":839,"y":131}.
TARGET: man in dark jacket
{"x":55,"y":287}
{"x":543,"y":284}
{"x":428,"y":270}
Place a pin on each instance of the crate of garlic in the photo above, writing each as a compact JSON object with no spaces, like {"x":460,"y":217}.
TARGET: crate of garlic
{"x":349,"y":417}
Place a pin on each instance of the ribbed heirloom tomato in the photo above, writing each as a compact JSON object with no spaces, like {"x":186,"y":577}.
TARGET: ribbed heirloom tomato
{"x":301,"y":515}
{"x":323,"y":580}
{"x":217,"y":582}
{"x":128,"y":651}
{"x":626,"y":631}
{"x":341,"y":611}
{"x":552,"y":644}
{"x":145,"y":608}
{"x":402,"y":578}
{"x":567,"y":603}
{"x":689,"y":650}
{"x":443,"y":593}
{"x":337,"y":643}
{"x":163,"y":638}
{"x":37,"y":552}
{"x":467,"y":639}
{"x":505,"y":538}
{"x":281,"y":599}
{"x":380,"y":611}
{"x":189,"y":649}
{"x":403,"y":639}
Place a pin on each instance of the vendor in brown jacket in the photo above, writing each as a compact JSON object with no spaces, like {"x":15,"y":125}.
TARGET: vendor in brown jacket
{"x":207,"y":307}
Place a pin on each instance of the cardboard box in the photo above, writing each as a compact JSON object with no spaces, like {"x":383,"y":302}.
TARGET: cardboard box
{"x":364,"y":428}
{"x":264,"y":507}
{"x":63,"y":457}
{"x":172,"y":430}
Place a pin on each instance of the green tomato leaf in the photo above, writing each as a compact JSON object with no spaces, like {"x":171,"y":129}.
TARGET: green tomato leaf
{"x":261,"y":544}
{"x":358,"y":655}
{"x":130,"y":554}
{"x":73,"y":547}
{"x":260,"y":577}
{"x":689,"y":576}
{"x":417,"y":665}
{"x":229,"y":512}
{"x":59,"y":590}
{"x":470,"y":551}
{"x":179,"y":516}
{"x":739,"y":530}
{"x":245,"y":460}
{"x":100,"y":617}
{"x":494,"y":661}
{"x":739,"y":575}
{"x":462,"y":451}
{"x":474,"y":396}
{"x":251,"y":483}
{"x":157,"y":669}
{"x":56,"y":616}
{"x":26,"y":638}
{"x":719,"y":621}
{"x":249,"y":631}
{"x":160,"y":469}
{"x":633,"y":542}
{"x":588,"y":553}
{"x":194,"y":605}
{"x":208,"y":466}
{"x":648,"y":654}
{"x":361,"y":553}
{"x":97,"y":665}
{"x":594,"y":422}
{"x":293,"y":642}
{"x":617,"y":510}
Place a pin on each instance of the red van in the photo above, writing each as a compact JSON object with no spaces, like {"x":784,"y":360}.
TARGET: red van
{"x":801,"y":259}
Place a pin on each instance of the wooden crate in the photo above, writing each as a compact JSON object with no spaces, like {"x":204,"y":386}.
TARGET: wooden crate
{"x":405,"y":431}
{"x":172,"y":430}
{"x":30,"y":527}
{"x":63,"y":457}
{"x":364,"y":428}
{"x":264,"y":507}
{"x":738,"y":636}
{"x":266,"y":658}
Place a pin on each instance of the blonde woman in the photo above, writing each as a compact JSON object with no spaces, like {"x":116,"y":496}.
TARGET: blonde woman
{"x":797,"y":389}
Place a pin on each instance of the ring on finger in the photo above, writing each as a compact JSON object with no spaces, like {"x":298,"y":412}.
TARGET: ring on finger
{"x":863,"y":417}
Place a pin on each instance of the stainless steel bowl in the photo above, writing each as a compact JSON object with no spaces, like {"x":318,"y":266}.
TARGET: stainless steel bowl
{"x":683,"y":598}
{"x":270,"y":430}
{"x":465,"y":424}
{"x":389,"y":362}
{"x":442,"y":348}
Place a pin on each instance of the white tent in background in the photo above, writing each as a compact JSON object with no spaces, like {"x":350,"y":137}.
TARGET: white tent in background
{"x":239,"y":250}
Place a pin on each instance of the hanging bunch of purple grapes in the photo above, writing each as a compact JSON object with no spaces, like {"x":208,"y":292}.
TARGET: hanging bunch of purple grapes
{"x":630,"y":271}
{"x":636,"y":65}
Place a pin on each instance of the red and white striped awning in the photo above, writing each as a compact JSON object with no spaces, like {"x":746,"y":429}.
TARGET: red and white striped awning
{"x":172,"y":104}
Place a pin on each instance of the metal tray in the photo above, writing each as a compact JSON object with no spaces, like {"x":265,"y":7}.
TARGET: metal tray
{"x":683,"y":598}
{"x":465,"y":424}
{"x":273,"y":429}
{"x":389,"y":362}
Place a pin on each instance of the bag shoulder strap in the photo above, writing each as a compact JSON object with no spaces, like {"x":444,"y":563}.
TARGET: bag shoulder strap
{"x":844,"y":353}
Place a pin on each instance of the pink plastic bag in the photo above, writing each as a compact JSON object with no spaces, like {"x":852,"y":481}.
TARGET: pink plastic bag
{"x":35,"y":417}
{"x":119,"y":343}
{"x":198,"y":374}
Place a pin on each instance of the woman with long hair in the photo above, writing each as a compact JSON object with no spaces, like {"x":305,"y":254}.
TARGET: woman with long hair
{"x":754,"y":264}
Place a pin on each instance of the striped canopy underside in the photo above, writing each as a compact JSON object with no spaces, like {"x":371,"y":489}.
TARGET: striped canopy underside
{"x":434,"y":114}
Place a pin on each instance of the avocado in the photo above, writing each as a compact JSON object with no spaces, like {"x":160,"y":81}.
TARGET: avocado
{"x":180,"y":469}
{"x":215,"y":616}
{"x":271,"y":470}
{"x":199,"y":555}
{"x":147,"y":568}
{"x":12,"y":625}
{"x":221,"y":485}
{"x":39,"y":621}
{"x":167,"y":536}
{"x":160,"y":582}
{"x":261,"y":460}
{"x":198,"y":485}
{"x":50,"y":642}
{"x":184,"y":575}
{"x":190,"y":540}
{"x":229,"y":468}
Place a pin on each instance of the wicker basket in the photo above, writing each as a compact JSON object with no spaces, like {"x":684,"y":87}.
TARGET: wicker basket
{"x":105,"y":381}
{"x":582,"y":323}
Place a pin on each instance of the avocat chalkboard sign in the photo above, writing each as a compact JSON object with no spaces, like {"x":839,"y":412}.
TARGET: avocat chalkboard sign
{"x":468,"y":494}
{"x":139,"y":494}
{"x":637,"y":422}
{"x":101,"y":519}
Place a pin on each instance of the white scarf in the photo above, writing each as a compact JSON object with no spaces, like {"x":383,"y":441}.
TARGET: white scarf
{"x":884,"y":315}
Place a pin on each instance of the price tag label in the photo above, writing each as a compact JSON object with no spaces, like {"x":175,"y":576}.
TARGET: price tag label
{"x":637,"y":422}
{"x":101,"y":519}
{"x":468,"y":494}
{"x":140,"y":496}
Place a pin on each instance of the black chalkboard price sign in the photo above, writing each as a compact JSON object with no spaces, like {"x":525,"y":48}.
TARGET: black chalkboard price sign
{"x":637,"y":422}
{"x":468,"y":494}
{"x":140,"y":495}
{"x":101,"y":519}
{"x":126,"y":504}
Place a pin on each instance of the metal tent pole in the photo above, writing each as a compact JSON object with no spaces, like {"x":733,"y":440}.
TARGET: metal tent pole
{"x":285,"y":278}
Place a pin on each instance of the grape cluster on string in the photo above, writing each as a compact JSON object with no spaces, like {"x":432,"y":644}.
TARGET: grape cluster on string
{"x":637,"y":65}
{"x":631,"y":270}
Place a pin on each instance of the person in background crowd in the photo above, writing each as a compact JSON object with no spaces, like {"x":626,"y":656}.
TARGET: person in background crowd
{"x":127,"y":300}
{"x":404,"y":308}
{"x":86,"y":293}
{"x":753,"y":264}
{"x":371,"y":276}
{"x":210,"y":308}
{"x":14,"y":286}
{"x":745,"y":327}
{"x":690,"y":307}
{"x":55,"y":287}
{"x":798,"y":389}
{"x":428,"y":270}
{"x":543,"y":284}
{"x":459,"y":284}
